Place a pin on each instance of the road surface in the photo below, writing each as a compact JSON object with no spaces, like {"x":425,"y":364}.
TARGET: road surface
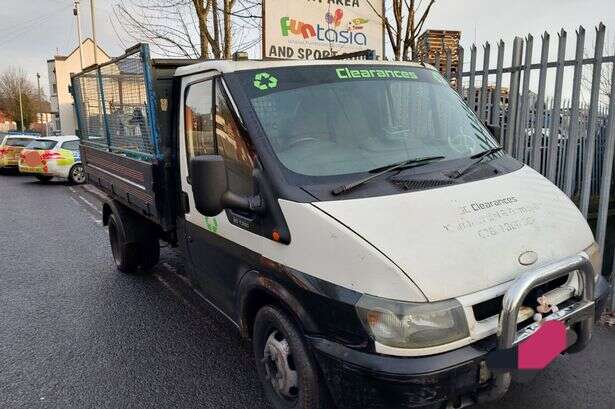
{"x":74,"y":333}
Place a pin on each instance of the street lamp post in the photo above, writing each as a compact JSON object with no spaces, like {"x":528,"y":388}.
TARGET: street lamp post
{"x":39,"y":105}
{"x":77,"y":12}
{"x":93,"y":15}
{"x":20,"y":105}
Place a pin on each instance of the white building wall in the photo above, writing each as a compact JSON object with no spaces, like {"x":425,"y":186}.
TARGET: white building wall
{"x":64,"y":67}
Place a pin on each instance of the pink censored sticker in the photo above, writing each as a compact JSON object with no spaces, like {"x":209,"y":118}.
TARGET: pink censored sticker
{"x":546,"y":344}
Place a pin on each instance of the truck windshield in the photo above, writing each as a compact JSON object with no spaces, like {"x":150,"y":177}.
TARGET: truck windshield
{"x":346,"y":119}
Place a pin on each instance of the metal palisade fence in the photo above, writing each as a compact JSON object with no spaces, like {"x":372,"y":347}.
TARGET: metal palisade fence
{"x":556,"y":111}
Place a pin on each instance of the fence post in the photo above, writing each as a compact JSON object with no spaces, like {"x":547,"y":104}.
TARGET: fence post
{"x":513,"y":98}
{"x":607,"y":175}
{"x":449,"y":64}
{"x":483,"y":90}
{"x":539,"y":136}
{"x":573,"y":132}
{"x":471,"y":90}
{"x":590,"y":143}
{"x":495,"y":116}
{"x":557,"y":108}
{"x":459,"y":72}
{"x":523,"y":114}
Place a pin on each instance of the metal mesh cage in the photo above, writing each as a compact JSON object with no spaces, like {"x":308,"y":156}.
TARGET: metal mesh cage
{"x":113,"y":105}
{"x":91,"y":115}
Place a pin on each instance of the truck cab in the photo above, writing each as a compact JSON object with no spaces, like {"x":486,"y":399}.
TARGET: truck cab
{"x":356,"y":221}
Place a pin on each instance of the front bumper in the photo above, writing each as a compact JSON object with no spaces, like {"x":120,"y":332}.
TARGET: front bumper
{"x":8,"y":163}
{"x":457,"y":378}
{"x":50,"y":169}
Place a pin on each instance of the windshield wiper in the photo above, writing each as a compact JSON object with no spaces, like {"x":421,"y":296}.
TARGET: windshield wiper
{"x":383,"y":170}
{"x":479,"y":158}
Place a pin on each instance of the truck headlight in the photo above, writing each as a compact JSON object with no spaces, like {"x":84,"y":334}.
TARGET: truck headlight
{"x":412,"y":325}
{"x":595,"y":258}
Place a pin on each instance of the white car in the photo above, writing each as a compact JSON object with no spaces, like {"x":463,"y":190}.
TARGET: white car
{"x":50,"y":157}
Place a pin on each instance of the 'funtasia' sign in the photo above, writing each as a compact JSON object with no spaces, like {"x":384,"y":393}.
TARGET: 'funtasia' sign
{"x":312,"y":29}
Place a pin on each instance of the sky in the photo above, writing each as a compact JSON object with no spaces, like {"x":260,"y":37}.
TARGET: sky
{"x":32,"y":31}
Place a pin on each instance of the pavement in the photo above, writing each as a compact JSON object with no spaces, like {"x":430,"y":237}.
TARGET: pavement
{"x":75,"y":333}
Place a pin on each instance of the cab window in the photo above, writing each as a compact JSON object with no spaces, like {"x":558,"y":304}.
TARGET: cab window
{"x":233,"y":147}
{"x":198,"y":120}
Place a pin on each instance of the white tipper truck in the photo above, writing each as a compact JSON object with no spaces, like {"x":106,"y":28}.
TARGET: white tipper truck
{"x":354,"y":219}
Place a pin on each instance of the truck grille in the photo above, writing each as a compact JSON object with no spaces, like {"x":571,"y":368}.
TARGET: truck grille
{"x":492,"y":307}
{"x":408,"y":185}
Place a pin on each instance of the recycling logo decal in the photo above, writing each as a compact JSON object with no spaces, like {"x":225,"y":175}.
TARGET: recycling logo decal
{"x":211,"y":224}
{"x":265,"y":81}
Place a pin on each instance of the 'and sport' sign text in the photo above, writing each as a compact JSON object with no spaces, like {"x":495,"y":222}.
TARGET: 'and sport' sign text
{"x":313,"y":29}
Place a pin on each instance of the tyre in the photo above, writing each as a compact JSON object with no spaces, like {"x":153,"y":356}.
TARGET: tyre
{"x":285,"y":366}
{"x":76,"y":175}
{"x":43,"y":178}
{"x":126,"y":255}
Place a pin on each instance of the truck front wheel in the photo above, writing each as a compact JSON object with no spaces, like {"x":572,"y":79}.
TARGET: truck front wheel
{"x":285,"y":367}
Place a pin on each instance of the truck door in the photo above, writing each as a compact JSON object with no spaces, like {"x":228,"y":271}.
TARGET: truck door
{"x":207,"y":127}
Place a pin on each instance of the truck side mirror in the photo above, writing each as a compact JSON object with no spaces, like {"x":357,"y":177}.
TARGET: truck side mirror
{"x":496,"y":132}
{"x":209,"y":183}
{"x":211,"y":191}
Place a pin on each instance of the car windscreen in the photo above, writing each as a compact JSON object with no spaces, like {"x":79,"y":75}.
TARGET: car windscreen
{"x":18,"y":142}
{"x":42,"y":144}
{"x":323,"y":121}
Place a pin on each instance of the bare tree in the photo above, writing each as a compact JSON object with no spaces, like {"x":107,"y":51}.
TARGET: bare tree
{"x":606,"y":76}
{"x":404,"y":21}
{"x":189,"y":28}
{"x":11,"y":80}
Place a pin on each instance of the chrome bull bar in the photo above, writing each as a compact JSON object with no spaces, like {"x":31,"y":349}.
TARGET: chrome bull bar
{"x":581,"y":312}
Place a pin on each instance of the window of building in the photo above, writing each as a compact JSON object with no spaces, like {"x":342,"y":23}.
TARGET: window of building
{"x":55,"y":88}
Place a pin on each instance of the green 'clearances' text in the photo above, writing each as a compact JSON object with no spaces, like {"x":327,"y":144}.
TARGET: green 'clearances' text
{"x":347,"y":74}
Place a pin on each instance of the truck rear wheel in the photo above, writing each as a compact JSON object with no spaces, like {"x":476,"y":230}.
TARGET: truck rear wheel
{"x":126,"y":255}
{"x":285,"y":366}
{"x":135,"y":245}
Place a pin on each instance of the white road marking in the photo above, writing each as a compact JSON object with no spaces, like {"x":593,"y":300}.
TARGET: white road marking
{"x":94,"y":219}
{"x":93,"y":206}
{"x":97,"y":221}
{"x":174,"y":291}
